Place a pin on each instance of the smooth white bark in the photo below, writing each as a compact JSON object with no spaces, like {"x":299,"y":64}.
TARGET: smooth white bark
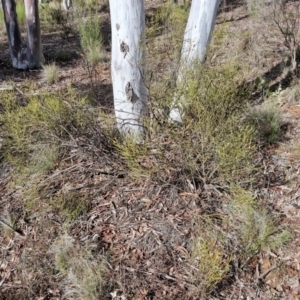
{"x":127,"y":64}
{"x":196,"y":39}
{"x":66,"y":4}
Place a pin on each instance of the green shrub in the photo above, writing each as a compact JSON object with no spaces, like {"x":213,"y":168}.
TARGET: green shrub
{"x":34,"y":130}
{"x":164,"y":32}
{"x":2,"y":19}
{"x":62,"y":55}
{"x":96,"y":5}
{"x":169,"y":21}
{"x":212,"y":145}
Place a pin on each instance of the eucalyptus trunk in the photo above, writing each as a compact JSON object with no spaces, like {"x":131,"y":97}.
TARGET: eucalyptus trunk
{"x":127,"y":64}
{"x":198,"y":31}
{"x":66,"y":4}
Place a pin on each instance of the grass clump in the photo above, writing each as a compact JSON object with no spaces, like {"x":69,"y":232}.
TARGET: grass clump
{"x":45,"y":157}
{"x":91,"y":39}
{"x":50,"y":73}
{"x":211,"y":256}
{"x":34,"y":130}
{"x":256,"y":228}
{"x":268,"y":121}
{"x":137,"y":158}
{"x":84,"y":273}
{"x":72,"y":204}
{"x":244,"y":228}
{"x":8,"y":223}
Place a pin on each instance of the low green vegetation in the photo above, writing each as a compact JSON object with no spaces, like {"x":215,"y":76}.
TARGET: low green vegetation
{"x":91,"y":39}
{"x":71,"y":204}
{"x":208,"y":147}
{"x":210,"y":156}
{"x":267,"y":119}
{"x":34,"y":130}
{"x":244,"y":229}
{"x":256,"y":228}
{"x":210,"y":252}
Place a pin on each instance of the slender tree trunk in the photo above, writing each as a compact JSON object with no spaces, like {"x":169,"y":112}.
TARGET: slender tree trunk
{"x":34,"y":44}
{"x":66,"y":4}
{"x":198,"y":30}
{"x":127,"y":64}
{"x":23,"y":57}
{"x":197,"y":36}
{"x":17,"y":52}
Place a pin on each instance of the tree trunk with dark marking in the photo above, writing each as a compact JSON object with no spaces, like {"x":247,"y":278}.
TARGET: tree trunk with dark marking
{"x":127,"y":64}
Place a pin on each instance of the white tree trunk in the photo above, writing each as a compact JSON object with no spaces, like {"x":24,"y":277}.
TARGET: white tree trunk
{"x":66,"y":4}
{"x":197,"y":36}
{"x":127,"y":64}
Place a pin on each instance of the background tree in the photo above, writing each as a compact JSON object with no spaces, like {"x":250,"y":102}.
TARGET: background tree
{"x":127,"y":64}
{"x":197,"y":36}
{"x":23,"y":57}
{"x":34,"y":44}
{"x":66,"y":4}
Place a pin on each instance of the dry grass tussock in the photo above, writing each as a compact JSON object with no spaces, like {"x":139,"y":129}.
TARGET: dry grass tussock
{"x":51,"y":73}
{"x":89,"y":214}
{"x":84,"y":273}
